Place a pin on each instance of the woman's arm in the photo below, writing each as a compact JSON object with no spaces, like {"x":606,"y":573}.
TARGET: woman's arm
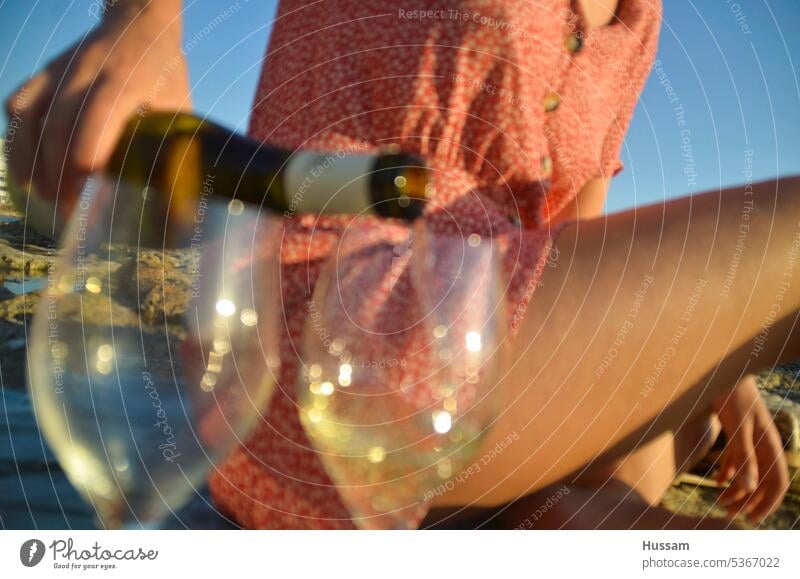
{"x":588,"y":203}
{"x":598,"y":12}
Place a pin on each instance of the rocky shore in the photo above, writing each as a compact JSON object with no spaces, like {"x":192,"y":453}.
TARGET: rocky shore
{"x":25,"y":258}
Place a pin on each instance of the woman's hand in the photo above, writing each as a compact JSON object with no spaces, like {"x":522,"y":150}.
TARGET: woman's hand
{"x":753,"y":462}
{"x":70,"y":115}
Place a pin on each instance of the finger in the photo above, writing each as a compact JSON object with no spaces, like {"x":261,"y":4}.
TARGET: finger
{"x":774,"y":477}
{"x":56,"y":132}
{"x":25,"y":108}
{"x":744,"y":483}
{"x":765,"y":486}
{"x":70,"y":87}
{"x":767,"y":506}
{"x":736,"y":496}
{"x":64,"y":170}
{"x":752,"y":502}
{"x":737,"y":508}
{"x":726,"y":470}
{"x":775,"y":473}
{"x":92,"y":140}
{"x":102,"y":120}
{"x":745,"y":479}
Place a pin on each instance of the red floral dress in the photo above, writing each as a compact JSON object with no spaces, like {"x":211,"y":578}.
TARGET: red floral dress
{"x":514,"y":105}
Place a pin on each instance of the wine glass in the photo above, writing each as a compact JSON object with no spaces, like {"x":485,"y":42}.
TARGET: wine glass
{"x":401,"y":350}
{"x":154,"y":347}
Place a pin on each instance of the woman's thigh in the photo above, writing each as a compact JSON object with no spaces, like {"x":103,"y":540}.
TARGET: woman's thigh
{"x":646,"y":317}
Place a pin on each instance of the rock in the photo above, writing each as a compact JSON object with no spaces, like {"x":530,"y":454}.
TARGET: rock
{"x":23,"y":250}
{"x":25,"y":261}
{"x":19,"y":308}
{"x":16,"y":233}
{"x":786,"y":414}
{"x":97,"y":310}
{"x":780,"y":387}
{"x":155,"y":283}
{"x":696,"y":501}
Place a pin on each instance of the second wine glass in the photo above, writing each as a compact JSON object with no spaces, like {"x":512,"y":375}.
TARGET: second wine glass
{"x":402,"y":348}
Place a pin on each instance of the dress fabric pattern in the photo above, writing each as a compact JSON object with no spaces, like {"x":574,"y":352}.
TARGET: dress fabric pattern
{"x":514,"y":104}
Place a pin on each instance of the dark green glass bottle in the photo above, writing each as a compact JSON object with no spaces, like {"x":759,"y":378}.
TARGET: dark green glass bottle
{"x":177,"y":153}
{"x":182,"y":158}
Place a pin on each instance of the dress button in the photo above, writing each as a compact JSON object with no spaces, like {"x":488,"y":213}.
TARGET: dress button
{"x":547,"y":165}
{"x":574,"y":43}
{"x":551,"y":102}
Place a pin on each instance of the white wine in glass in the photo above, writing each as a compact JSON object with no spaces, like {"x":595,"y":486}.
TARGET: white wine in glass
{"x":154,"y":347}
{"x":402,"y":350}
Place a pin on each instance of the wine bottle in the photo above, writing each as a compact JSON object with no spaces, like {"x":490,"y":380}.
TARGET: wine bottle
{"x":178,"y":156}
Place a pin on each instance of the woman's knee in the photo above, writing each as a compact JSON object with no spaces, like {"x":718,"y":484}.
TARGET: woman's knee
{"x":694,"y":440}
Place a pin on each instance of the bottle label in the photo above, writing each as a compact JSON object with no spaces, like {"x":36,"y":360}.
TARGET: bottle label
{"x":329,"y":183}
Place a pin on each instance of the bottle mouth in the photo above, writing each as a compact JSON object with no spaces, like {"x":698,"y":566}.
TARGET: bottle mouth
{"x":400,"y":184}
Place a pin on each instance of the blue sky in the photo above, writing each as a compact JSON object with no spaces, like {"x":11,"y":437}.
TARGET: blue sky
{"x":731,"y":66}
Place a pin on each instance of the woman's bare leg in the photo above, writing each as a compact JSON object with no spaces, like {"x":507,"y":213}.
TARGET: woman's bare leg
{"x":708,"y":293}
{"x":647,"y":472}
{"x":617,"y":506}
{"x":625,"y":493}
{"x":651,"y":469}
